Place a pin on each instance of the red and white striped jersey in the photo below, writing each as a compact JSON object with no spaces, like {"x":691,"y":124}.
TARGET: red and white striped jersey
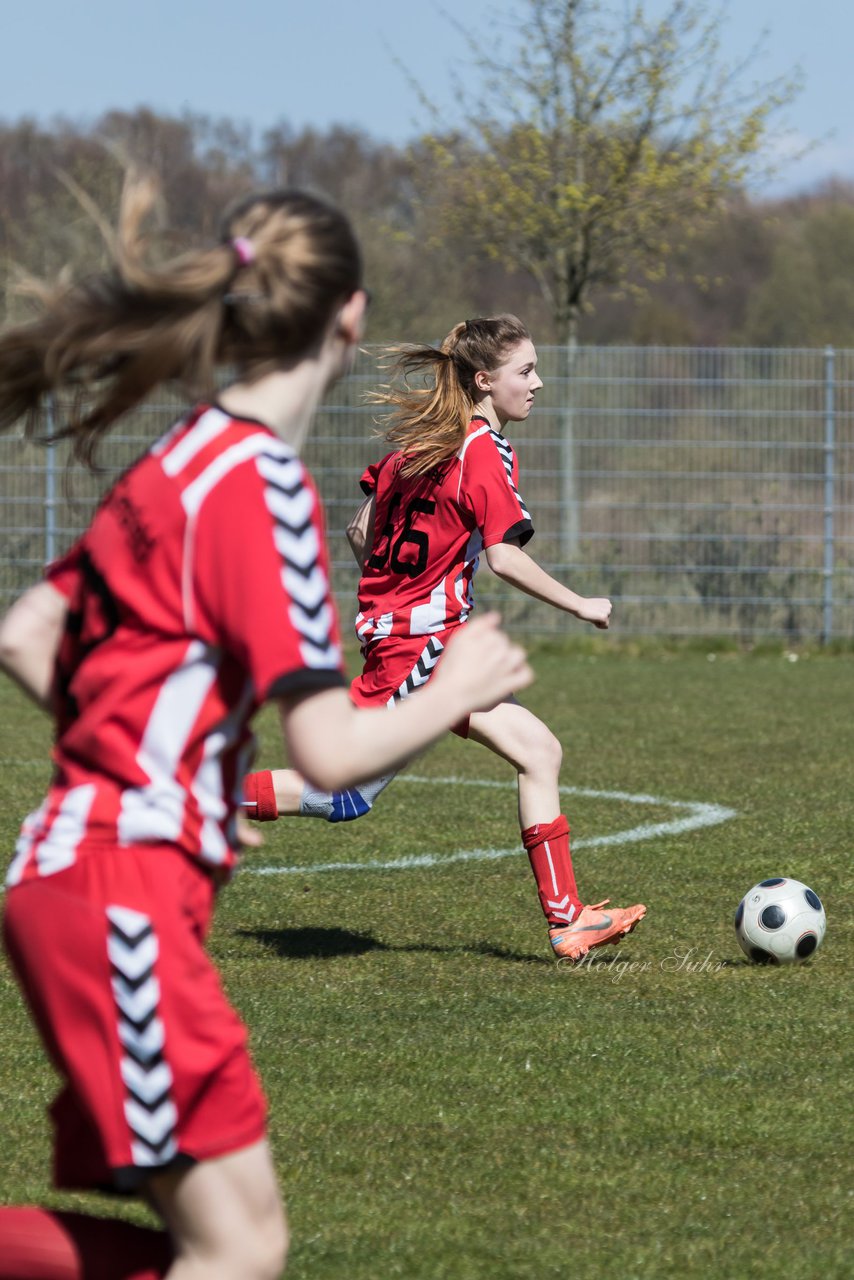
{"x":429,"y":532}
{"x":200,"y":590}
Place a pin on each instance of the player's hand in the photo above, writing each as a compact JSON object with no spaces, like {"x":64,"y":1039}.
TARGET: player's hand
{"x":247,"y":835}
{"x":597,"y":610}
{"x":482,"y":666}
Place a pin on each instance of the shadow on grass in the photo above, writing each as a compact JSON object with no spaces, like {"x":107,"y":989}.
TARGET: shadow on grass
{"x":332,"y":943}
{"x":316,"y":944}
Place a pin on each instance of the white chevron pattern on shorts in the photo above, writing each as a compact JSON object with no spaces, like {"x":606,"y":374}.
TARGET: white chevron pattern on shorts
{"x":146,"y":1045}
{"x":150,"y":1112}
{"x":156,"y":1126}
{"x":135,"y":959}
{"x":150,"y":1086}
{"x":136,"y":1003}
{"x":421,"y":672}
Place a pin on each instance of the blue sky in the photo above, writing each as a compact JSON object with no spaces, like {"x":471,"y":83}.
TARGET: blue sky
{"x":334,"y":61}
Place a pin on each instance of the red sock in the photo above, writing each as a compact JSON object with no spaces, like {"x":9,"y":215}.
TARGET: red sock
{"x":259,"y":796}
{"x":37,"y":1244}
{"x":548,"y":850}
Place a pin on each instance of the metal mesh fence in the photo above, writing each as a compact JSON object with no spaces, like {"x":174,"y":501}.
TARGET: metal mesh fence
{"x":707,"y":491}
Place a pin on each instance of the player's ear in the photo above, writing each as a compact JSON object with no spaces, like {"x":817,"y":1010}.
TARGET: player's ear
{"x":482,"y":380}
{"x":351,"y":317}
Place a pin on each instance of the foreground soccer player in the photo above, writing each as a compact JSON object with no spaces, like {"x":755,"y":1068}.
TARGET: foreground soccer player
{"x":199,"y":591}
{"x":449,"y":492}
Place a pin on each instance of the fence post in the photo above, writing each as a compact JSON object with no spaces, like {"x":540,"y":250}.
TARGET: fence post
{"x":570,"y":511}
{"x":50,"y":483}
{"x":829,"y":486}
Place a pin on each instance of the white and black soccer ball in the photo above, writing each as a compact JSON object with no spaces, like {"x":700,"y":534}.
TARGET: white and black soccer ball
{"x":780,"y":921}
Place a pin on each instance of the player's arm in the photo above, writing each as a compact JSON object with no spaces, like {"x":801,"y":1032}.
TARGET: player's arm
{"x":30,"y":634}
{"x":335,"y":744}
{"x":360,"y":530}
{"x":512,"y":564}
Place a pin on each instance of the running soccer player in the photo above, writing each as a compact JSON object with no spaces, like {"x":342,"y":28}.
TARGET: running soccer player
{"x":447,"y":494}
{"x":199,"y":591}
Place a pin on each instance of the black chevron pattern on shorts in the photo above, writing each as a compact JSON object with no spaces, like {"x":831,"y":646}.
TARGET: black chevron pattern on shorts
{"x":149,"y":1109}
{"x":291,"y":504}
{"x":422,"y":671}
{"x":505,"y":450}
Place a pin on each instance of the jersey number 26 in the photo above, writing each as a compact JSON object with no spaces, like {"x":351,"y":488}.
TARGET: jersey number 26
{"x":388,"y":548}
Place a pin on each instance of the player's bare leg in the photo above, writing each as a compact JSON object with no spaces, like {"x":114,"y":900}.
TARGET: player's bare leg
{"x":516,"y":734}
{"x":288,"y":786}
{"x":284,"y":793}
{"x":225,"y":1217}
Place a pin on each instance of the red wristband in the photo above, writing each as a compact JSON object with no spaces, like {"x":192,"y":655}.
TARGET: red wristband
{"x":259,"y":796}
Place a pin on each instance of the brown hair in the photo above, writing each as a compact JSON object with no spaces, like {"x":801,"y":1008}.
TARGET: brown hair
{"x":428,"y":424}
{"x":112,"y":339}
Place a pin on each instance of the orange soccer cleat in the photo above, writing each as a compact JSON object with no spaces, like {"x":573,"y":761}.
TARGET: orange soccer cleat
{"x":593,"y":927}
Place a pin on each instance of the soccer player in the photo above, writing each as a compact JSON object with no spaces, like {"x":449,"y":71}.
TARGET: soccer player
{"x":448,"y":493}
{"x":199,"y":591}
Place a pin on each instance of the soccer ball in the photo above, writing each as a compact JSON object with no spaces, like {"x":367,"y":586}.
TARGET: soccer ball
{"x":780,"y":922}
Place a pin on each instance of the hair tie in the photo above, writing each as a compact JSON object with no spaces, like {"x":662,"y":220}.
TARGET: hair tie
{"x":244,"y":250}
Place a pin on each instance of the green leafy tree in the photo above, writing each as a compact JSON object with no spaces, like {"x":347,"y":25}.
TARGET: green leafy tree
{"x":594,"y":147}
{"x":603,"y":137}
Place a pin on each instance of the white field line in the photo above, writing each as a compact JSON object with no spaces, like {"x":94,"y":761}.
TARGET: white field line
{"x":696,"y":814}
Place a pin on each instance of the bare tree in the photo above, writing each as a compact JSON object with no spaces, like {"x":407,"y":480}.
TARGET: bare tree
{"x":596,"y":147}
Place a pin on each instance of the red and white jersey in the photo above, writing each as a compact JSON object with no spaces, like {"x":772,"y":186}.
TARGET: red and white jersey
{"x":199,"y":591}
{"x":429,"y":532}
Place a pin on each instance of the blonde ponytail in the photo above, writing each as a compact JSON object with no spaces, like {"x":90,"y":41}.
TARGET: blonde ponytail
{"x":262,"y":296}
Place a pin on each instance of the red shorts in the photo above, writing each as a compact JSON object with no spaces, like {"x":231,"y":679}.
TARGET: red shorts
{"x":396,"y":667}
{"x":110,"y":956}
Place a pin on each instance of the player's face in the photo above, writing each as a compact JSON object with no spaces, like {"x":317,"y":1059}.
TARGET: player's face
{"x":513,"y":385}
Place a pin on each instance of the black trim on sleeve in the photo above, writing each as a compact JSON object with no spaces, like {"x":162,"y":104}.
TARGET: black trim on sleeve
{"x":367,"y":488}
{"x":522,"y":532}
{"x":305,"y":680}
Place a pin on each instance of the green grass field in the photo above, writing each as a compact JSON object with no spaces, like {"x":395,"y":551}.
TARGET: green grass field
{"x":447,"y":1102}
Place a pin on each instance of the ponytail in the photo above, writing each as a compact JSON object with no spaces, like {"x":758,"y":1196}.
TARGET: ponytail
{"x":428,"y":424}
{"x":263,"y":295}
